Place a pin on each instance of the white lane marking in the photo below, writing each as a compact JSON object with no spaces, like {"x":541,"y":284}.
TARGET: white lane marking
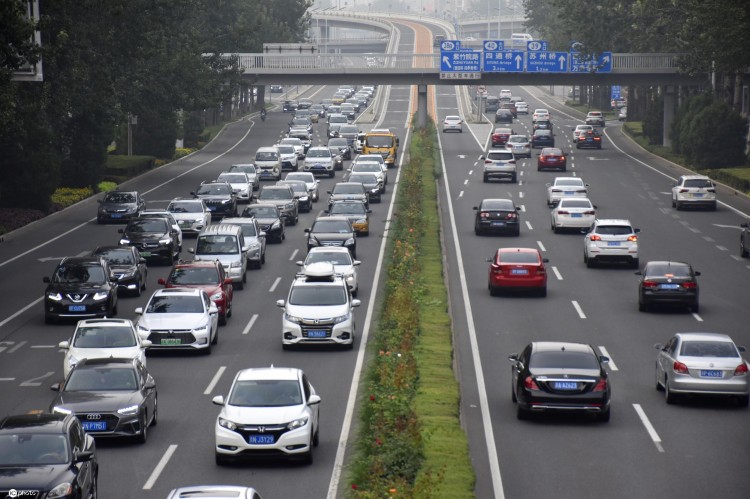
{"x":529,"y":225}
{"x":160,"y":467}
{"x":466,"y":181}
{"x":611,"y":362}
{"x":461,"y":194}
{"x":294,"y":253}
{"x":697,"y":317}
{"x":43,"y":346}
{"x":557,"y":274}
{"x":250,"y":324}
{"x":541,"y":246}
{"x":522,"y":172}
{"x":275,"y":283}
{"x":19,"y":345}
{"x":649,"y":427}
{"x":727,"y":226}
{"x":578,"y":309}
{"x":520,"y":194}
{"x":24,"y":309}
{"x":36,"y":381}
{"x":214,"y":380}
{"x":7,"y":379}
{"x":708,"y":239}
{"x":471,"y":172}
{"x":523,"y":208}
{"x":721,"y":248}
{"x":737,"y":258}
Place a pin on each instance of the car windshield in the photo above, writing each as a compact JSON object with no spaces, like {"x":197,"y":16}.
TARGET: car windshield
{"x":348,"y":129}
{"x":379,"y":141}
{"x":667,"y":269}
{"x":104,"y":337}
{"x":233,"y":178}
{"x":299,"y":187}
{"x":697,"y":182}
{"x":518,"y":139}
{"x":292,"y":142}
{"x":317,"y":295}
{"x":274,"y":194}
{"x":304,"y":177}
{"x":213,"y":190}
{"x":543,"y":133}
{"x":154,"y":225}
{"x":552,"y":152}
{"x":348,"y":209}
{"x":614,"y":230}
{"x":300,"y":121}
{"x":265,"y":393}
{"x":266,"y":156}
{"x":243,"y":168}
{"x":563,"y":360}
{"x":708,"y":349}
{"x":74,"y":274}
{"x":319,"y":153}
{"x":367,"y":167}
{"x":331,"y":226}
{"x":117,"y":256}
{"x":175,"y":304}
{"x":518,"y":257}
{"x":28,"y":449}
{"x":502,"y":131}
{"x":347,"y":189}
{"x":187,"y":276}
{"x":363,"y":178}
{"x":119,"y":198}
{"x":261,"y":212}
{"x":185,"y":208}
{"x":575,"y":203}
{"x":216,"y":245}
{"x":101,"y":379}
{"x":338,"y":143}
{"x":284,"y":149}
{"x":332,"y":257}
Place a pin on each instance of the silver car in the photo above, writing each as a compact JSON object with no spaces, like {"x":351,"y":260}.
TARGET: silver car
{"x":342,"y":262}
{"x":255,"y":239}
{"x":519,"y":145}
{"x":241,"y":185}
{"x":702,"y":363}
{"x":249,"y":170}
{"x":309,"y":179}
{"x":192,"y":215}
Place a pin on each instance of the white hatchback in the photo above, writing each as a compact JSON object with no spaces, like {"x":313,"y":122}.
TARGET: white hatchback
{"x":611,"y":240}
{"x":566,"y":187}
{"x":573,"y":213}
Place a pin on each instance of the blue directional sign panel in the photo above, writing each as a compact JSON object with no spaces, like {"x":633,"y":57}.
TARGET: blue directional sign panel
{"x":493,"y":45}
{"x":506,"y":61}
{"x":602,"y":64}
{"x":616,"y":92}
{"x":537,"y":46}
{"x":464,"y":61}
{"x":547,"y":62}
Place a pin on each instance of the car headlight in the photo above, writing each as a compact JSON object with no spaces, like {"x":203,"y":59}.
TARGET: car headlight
{"x":225,"y":423}
{"x":226,"y":201}
{"x":276,"y":225}
{"x":124,"y":241}
{"x":198,"y":220}
{"x":376,"y":190}
{"x":61,"y":410}
{"x":101,"y":295}
{"x":128,"y":411}
{"x":54,"y":296}
{"x":303,"y":199}
{"x":254,"y":245}
{"x":235,"y":265}
{"x":289,"y":206}
{"x":217,"y":296}
{"x":349,"y":242}
{"x":64,"y":489}
{"x":293,"y":319}
{"x":341,"y":318}
{"x":165,"y":241}
{"x":297,"y":423}
{"x":142,"y":328}
{"x":312,"y":241}
{"x":129,"y":273}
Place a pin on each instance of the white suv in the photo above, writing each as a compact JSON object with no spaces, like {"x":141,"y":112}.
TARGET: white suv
{"x":318,"y":309}
{"x":694,"y":190}
{"x":499,"y":164}
{"x":611,"y":240}
{"x":269,"y":411}
{"x":319,"y":160}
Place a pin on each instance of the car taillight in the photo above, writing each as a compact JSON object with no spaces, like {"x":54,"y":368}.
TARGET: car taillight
{"x":649,"y":284}
{"x":689,"y":285}
{"x":562,"y":158}
{"x":542,"y":158}
{"x":741,"y":370}
{"x":563,"y":212}
{"x":684,"y":190}
{"x":541,"y":270}
{"x":595,"y":237}
{"x":601,"y":385}
{"x":633,"y":238}
{"x":590,"y":212}
{"x":680,"y":368}
{"x":483,"y":214}
{"x":530,"y":384}
{"x":496,"y":269}
{"x":511,"y":216}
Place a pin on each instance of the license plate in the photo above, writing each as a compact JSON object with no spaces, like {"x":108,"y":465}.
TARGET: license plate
{"x":94,"y":425}
{"x":498,"y":224}
{"x":170,"y":341}
{"x":519,"y":271}
{"x":183,"y":222}
{"x":697,"y":195}
{"x":711,"y":373}
{"x":564,"y":385}
{"x":669,"y":286}
{"x":261,"y":439}
{"x":613,"y":243}
{"x":569,"y":193}
{"x":76,"y":308}
{"x":266,"y":174}
{"x":316,"y":334}
{"x":551,"y":160}
{"x":576,"y":215}
{"x":146,"y":254}
{"x":115,"y":215}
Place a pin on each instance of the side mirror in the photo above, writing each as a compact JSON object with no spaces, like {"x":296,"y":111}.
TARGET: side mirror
{"x":697,"y":273}
{"x":313,"y":400}
{"x":55,"y":387}
{"x":64,"y":345}
{"x":191,"y":251}
{"x":143,"y":260}
{"x":482,"y":157}
{"x":637,"y":231}
{"x":99,"y":201}
{"x":121,"y":231}
{"x":146,"y":343}
{"x":299,"y":263}
{"x":280,"y":303}
{"x":490,"y":260}
{"x":513,"y":357}
{"x":83,"y":456}
{"x":356,"y":303}
{"x":475,"y":208}
{"x":545,"y":260}
{"x":741,"y":349}
{"x":228,"y":280}
{"x":218,"y":400}
{"x":638,"y":273}
{"x":213,"y":309}
{"x":659,"y":346}
{"x":604,"y":359}
{"x":262,"y":234}
{"x":307,"y":231}
{"x":150,"y":384}
{"x":45,"y":279}
{"x":139,"y":310}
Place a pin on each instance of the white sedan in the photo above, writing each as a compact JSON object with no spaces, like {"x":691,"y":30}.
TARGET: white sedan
{"x":540,"y":114}
{"x":566,"y":187}
{"x":520,"y":145}
{"x":342,"y":262}
{"x":241,"y":184}
{"x":573,"y":213}
{"x":581,"y":129}
{"x":453,"y":123}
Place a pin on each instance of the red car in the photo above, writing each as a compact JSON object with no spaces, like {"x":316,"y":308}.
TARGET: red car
{"x":517,"y":268}
{"x":501,"y":135}
{"x":552,"y":158}
{"x":206,"y":275}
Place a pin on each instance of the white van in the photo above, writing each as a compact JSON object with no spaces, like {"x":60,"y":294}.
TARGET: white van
{"x":268,"y":163}
{"x":225,"y":243}
{"x":518,"y":40}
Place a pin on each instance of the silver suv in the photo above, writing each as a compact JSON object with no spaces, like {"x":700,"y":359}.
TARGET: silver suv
{"x":283,"y":197}
{"x":499,"y":164}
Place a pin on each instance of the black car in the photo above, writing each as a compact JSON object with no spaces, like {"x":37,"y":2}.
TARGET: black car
{"x":666,"y":282}
{"x":119,"y":206}
{"x":289,"y":106}
{"x":49,"y":454}
{"x":542,"y":138}
{"x":277,"y":89}
{"x":590,"y":139}
{"x":127,"y":265}
{"x":341,"y":146}
{"x":503,"y":116}
{"x":219,"y":197}
{"x":333,"y":230}
{"x":111,"y":397}
{"x":745,"y":240}
{"x":560,"y":376}
{"x":269,"y":219}
{"x":542,"y":125}
{"x":499,"y":216}
{"x":300,"y":192}
{"x":283,"y":197}
{"x":153,"y":237}
{"x":372,"y":185}
{"x":80,"y":287}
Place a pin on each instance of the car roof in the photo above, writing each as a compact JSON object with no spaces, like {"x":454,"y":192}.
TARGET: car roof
{"x":238,"y":220}
{"x":555,"y":346}
{"x":612,"y":221}
{"x":578,"y":179}
{"x":695,"y":177}
{"x":212,"y":492}
{"x":268,"y":373}
{"x":82,"y":260}
{"x":340,"y":218}
{"x":518,"y":250}
{"x":328,"y":249}
{"x":700,"y":336}
{"x":196,"y":263}
{"x":177,"y":292}
{"x":262,"y":205}
{"x":107,"y":321}
{"x":497,"y":203}
{"x":497,"y":149}
{"x":35,"y":423}
{"x":105,"y":361}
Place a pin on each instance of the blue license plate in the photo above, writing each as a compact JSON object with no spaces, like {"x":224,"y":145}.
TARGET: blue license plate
{"x":94,"y":425}
{"x":669,"y":286}
{"x":316,"y":334}
{"x":212,"y":208}
{"x":115,"y":215}
{"x":613,"y":243}
{"x":552,"y":160}
{"x":568,"y":193}
{"x":697,"y":195}
{"x":76,"y":308}
{"x":564,"y":385}
{"x":519,"y":272}
{"x":498,"y":224}
{"x":711,"y":373}
{"x":576,"y":215}
{"x":266,"y":174}
{"x":261,"y":439}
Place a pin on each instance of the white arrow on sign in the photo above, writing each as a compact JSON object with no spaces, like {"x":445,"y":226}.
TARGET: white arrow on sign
{"x":519,"y":61}
{"x":562,"y":61}
{"x":447,"y":61}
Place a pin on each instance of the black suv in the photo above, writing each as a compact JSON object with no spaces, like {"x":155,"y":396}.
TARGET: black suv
{"x":334,"y":230}
{"x":80,"y":287}
{"x":269,"y":219}
{"x":119,"y":206}
{"x":49,"y":454}
{"x":154,"y":238}
{"x":219,"y":197}
{"x":127,"y":265}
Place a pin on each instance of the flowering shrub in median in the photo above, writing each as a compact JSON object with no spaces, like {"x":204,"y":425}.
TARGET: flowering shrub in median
{"x":67,"y":196}
{"x":13,"y":218}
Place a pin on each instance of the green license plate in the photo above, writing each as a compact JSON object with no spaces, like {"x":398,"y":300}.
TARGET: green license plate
{"x":171,"y":341}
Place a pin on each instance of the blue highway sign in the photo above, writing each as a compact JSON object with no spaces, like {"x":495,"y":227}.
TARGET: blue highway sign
{"x":460,"y":62}
{"x":507,"y":61}
{"x":537,"y":46}
{"x":602,"y":64}
{"x":547,"y":62}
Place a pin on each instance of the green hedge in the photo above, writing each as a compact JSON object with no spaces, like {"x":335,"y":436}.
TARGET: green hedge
{"x":120,"y":167}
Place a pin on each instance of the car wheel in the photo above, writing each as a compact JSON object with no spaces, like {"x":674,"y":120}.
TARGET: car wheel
{"x":589,"y":262}
{"x":284,"y":346}
{"x":695,"y":308}
{"x":513,"y":179}
{"x":677,"y":205}
{"x":143,"y":437}
{"x":331,"y":174}
{"x":307,"y":457}
{"x":603,"y":416}
{"x":48,"y":319}
{"x":556,"y":229}
{"x":138,"y":288}
{"x":316,"y":437}
{"x":238,"y":285}
{"x":521,"y":413}
{"x":635,"y":263}
{"x":713,"y":207}
{"x":493,"y":290}
{"x":223,"y":319}
{"x":485,"y":178}
{"x":517,"y":233}
{"x":642,"y":307}
{"x":262,"y":258}
{"x":216,"y":337}
{"x":658,"y":384}
{"x":513,"y":395}
{"x":670,"y":397}
{"x":743,"y":400}
{"x":743,"y":251}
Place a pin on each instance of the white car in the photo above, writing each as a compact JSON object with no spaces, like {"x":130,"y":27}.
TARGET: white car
{"x":499,"y":164}
{"x":453,"y":123}
{"x":342,"y":262}
{"x":309,"y":179}
{"x":573,"y":213}
{"x":179,"y":318}
{"x":318,"y":309}
{"x":371,"y":167}
{"x":373,"y":157}
{"x":505,"y":94}
{"x":289,"y":157}
{"x":249,"y":170}
{"x":581,"y":129}
{"x":192,"y":214}
{"x":299,"y":147}
{"x":214,"y":492}
{"x":540,"y":114}
{"x":522,"y":107}
{"x":694,"y":190}
{"x":611,"y":240}
{"x":103,"y":338}
{"x":268,"y":163}
{"x":241,"y":185}
{"x":319,"y":160}
{"x":269,"y":410}
{"x":566,"y":187}
{"x":519,"y":145}
{"x":595,"y":118}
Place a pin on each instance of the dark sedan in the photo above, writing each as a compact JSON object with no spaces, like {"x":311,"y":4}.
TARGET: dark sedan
{"x":111,"y":397}
{"x":497,"y":216}
{"x":560,"y":376}
{"x":153,"y":237}
{"x":269,"y":219}
{"x":745,"y":240}
{"x":126,"y":265}
{"x":590,"y":139}
{"x":341,"y":146}
{"x":334,"y":230}
{"x":670,"y":283}
{"x":542,"y":138}
{"x":48,"y":454}
{"x":219,"y":197}
{"x":119,"y":206}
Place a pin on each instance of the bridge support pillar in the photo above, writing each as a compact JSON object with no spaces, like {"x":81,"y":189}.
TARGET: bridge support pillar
{"x":421,"y":105}
{"x":669,"y":92}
